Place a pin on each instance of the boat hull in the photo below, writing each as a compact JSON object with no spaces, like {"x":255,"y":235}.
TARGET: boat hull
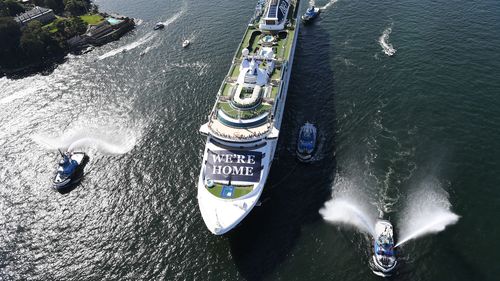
{"x":304,"y":157}
{"x":222,"y":215}
{"x":72,"y":181}
{"x":383,"y":259}
{"x":308,"y":18}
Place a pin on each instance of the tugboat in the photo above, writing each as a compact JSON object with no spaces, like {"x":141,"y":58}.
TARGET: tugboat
{"x":185,"y":43}
{"x":70,"y":170}
{"x":311,"y":13}
{"x":384,"y":257}
{"x":306,"y":142}
{"x":159,"y":25}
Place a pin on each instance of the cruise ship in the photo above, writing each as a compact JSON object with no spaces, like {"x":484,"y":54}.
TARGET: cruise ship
{"x":243,"y":127}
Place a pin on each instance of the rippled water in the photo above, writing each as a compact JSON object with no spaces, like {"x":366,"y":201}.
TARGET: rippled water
{"x":386,"y":124}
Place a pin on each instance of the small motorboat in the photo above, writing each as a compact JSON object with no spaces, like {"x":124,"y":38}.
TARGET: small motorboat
{"x":159,"y":25}
{"x":70,"y":170}
{"x":311,"y":13}
{"x":185,"y":43}
{"x":306,"y":142}
{"x":384,"y":257}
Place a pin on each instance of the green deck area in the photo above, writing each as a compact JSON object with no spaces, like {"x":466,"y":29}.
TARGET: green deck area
{"x":288,"y":47}
{"x":285,"y":45}
{"x":226,"y":90}
{"x":236,"y":71}
{"x":239,"y":191}
{"x":282,"y":49}
{"x":282,"y":45}
{"x":276,"y":74}
{"x":244,"y":114}
{"x":246,"y":39}
{"x":274,"y":92}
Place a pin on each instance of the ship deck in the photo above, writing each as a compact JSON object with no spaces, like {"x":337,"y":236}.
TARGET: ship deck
{"x":271,"y":51}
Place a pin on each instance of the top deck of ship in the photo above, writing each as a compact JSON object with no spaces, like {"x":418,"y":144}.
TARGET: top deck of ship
{"x":247,"y":98}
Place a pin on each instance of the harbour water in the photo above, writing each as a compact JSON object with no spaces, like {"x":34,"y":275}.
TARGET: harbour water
{"x":426,"y":117}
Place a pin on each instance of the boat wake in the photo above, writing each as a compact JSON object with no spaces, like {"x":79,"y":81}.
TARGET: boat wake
{"x":192,"y":37}
{"x":149,"y":48}
{"x":428,"y":211}
{"x":146,"y":38}
{"x":383,"y":40}
{"x":326,"y":6}
{"x":175,"y":17}
{"x":200,"y":66}
{"x":102,"y":139}
{"x":21,"y":92}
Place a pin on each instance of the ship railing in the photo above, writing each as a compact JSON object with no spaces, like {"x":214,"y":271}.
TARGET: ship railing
{"x":253,"y":136}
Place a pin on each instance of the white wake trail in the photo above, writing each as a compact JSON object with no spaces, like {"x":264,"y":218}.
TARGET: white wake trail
{"x":146,"y":38}
{"x":326,"y":6}
{"x":383,"y":40}
{"x":149,"y":48}
{"x":175,"y":17}
{"x":201,"y":67}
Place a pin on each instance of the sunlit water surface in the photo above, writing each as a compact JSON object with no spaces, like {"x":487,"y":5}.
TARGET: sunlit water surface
{"x":387,"y":125}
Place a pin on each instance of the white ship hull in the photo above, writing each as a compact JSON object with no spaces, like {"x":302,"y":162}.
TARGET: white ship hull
{"x":220,"y":214}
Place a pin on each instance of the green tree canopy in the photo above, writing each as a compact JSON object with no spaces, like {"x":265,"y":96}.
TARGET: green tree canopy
{"x":77,"y":7}
{"x":36,"y":43}
{"x":56,"y":5}
{"x":10,"y":32}
{"x":10,"y":8}
{"x":32,"y":40}
{"x":70,"y":27}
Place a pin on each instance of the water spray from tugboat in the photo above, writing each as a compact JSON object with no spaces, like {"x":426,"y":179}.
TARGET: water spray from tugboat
{"x":106,"y":140}
{"x":71,"y":167}
{"x":427,"y":211}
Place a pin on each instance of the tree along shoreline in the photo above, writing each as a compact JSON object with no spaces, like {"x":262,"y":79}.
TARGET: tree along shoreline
{"x":35,"y":47}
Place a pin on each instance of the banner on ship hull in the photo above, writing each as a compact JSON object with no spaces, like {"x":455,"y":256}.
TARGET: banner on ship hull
{"x":234,"y":165}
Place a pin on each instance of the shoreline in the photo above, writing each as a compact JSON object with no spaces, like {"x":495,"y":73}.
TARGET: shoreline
{"x":111,"y":28}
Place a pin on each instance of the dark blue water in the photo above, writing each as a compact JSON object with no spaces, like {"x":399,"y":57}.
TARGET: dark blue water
{"x":387,"y":124}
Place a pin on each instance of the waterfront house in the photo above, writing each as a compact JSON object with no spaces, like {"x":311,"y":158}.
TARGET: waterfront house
{"x":110,"y":29}
{"x":40,"y":14}
{"x":97,"y":34}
